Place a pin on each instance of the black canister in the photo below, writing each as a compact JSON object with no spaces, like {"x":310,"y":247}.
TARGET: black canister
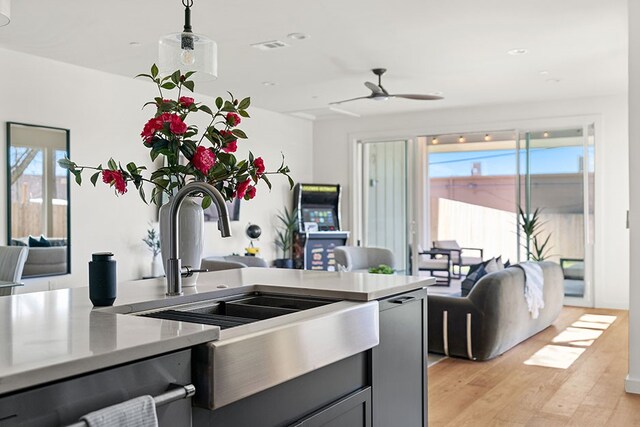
{"x":102,"y":279}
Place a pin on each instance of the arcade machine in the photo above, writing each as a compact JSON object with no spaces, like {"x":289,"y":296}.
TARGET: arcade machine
{"x":318,"y":230}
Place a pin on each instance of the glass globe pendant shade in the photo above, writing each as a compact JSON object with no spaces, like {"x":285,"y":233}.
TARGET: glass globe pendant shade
{"x":188,"y":51}
{"x":5,"y":12}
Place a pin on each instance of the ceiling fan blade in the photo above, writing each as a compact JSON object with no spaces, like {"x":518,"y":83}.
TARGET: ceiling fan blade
{"x":373,"y":87}
{"x":352,"y":99}
{"x":418,"y":97}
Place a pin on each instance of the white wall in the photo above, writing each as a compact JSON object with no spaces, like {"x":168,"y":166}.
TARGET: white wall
{"x":104,"y":115}
{"x":333,"y":142}
{"x":633,"y":379}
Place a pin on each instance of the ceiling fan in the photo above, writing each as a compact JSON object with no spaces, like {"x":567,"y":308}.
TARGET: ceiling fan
{"x":379,"y":93}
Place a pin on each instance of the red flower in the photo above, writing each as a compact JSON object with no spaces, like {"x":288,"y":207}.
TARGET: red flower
{"x":233,"y":119}
{"x":150,"y":128}
{"x":185,"y":101}
{"x":258,"y":163}
{"x":231,"y":147}
{"x":203,"y":159}
{"x":116,"y":179}
{"x":242,"y":188}
{"x":251,"y":193}
{"x":176,"y":125}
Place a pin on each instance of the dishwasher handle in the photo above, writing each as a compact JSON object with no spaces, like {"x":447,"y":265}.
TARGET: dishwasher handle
{"x":177,"y":393}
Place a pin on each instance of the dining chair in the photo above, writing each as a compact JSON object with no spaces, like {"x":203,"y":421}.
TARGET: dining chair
{"x":12,"y":259}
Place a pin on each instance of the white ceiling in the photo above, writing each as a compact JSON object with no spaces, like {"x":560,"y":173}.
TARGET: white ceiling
{"x":457,"y":47}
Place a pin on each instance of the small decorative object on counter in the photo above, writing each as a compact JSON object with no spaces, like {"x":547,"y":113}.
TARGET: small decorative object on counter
{"x":102,"y":279}
{"x":284,"y":237}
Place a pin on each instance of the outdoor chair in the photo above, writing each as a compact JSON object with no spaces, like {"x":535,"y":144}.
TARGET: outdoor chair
{"x":459,"y":255}
{"x":436,"y":260}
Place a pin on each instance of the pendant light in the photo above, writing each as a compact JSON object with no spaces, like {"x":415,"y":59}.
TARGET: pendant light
{"x":188,"y":51}
{"x":5,"y":12}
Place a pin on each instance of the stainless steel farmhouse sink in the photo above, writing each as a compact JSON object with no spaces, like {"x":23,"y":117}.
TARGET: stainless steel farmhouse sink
{"x":238,"y":310}
{"x":267,"y":339}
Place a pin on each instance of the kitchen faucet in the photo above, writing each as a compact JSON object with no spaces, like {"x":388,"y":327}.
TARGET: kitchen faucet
{"x":174,"y":266}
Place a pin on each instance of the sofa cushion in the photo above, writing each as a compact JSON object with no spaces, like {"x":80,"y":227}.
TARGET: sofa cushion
{"x":476,"y":272}
{"x":39,"y":243}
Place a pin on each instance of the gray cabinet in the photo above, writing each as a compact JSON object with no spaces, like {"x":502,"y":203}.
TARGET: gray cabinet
{"x":351,"y":411}
{"x":399,"y":363}
{"x":64,"y":402}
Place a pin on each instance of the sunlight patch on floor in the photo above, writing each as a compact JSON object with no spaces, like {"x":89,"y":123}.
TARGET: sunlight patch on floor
{"x":569,"y":344}
{"x":555,"y":356}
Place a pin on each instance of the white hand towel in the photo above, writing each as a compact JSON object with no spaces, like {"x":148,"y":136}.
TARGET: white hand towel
{"x":138,"y":412}
{"x":533,"y":287}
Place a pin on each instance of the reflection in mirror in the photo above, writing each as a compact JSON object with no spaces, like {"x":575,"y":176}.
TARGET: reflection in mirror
{"x":38,"y":189}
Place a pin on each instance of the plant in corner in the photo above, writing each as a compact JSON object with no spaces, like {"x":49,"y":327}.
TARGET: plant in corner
{"x":531,"y":224}
{"x":284,"y":237}
{"x":208,"y":154}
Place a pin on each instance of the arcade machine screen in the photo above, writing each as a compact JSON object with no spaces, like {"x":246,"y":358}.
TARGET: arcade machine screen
{"x":324,"y":217}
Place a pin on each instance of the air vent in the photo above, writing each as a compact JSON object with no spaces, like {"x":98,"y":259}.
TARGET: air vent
{"x":270,"y":45}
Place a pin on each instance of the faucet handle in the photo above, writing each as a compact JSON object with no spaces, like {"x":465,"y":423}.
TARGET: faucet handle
{"x":187,"y":271}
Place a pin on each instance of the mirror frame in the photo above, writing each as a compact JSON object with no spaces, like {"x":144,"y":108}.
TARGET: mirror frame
{"x":8,"y":176}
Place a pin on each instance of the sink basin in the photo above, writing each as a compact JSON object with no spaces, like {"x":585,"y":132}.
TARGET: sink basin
{"x":238,"y":311}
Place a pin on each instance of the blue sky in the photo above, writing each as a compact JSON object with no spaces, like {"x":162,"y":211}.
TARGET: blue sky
{"x":502,"y":162}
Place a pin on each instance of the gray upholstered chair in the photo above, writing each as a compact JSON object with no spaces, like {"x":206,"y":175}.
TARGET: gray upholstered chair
{"x":230,"y":262}
{"x":458,"y":253}
{"x":12,"y":259}
{"x":436,"y":260}
{"x":360,"y":259}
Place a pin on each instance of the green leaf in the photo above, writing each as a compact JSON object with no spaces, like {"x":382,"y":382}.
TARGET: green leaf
{"x":144,"y":75}
{"x":219,"y":102}
{"x":175,"y":77}
{"x":239,"y":133}
{"x":189,"y":74}
{"x":142,"y":196}
{"x":243,"y":113}
{"x":112,"y":165}
{"x":131,"y":167}
{"x":94,"y":178}
{"x":266,"y":180}
{"x":229,"y":107}
{"x":189,"y":85}
{"x":291,"y":183}
{"x":78,"y":178}
{"x":154,"y":71}
{"x":206,"y":202}
{"x":205,"y":109}
{"x":168,"y":85}
{"x":244,"y":104}
{"x":66,"y":163}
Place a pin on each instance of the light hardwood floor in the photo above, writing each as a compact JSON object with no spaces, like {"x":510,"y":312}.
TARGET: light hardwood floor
{"x":506,"y":392}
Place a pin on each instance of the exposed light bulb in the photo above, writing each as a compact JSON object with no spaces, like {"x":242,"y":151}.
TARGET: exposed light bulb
{"x":461,"y":139}
{"x":487,"y":137}
{"x":187,"y":56}
{"x":546,"y":134}
{"x":434,"y":141}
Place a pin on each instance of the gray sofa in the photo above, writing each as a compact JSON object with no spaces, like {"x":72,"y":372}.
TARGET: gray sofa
{"x":497,"y":314}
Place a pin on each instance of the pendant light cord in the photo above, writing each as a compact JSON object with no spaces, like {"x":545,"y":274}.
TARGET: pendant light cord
{"x":187,"y":15}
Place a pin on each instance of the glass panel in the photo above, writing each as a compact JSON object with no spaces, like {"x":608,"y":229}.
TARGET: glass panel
{"x":472,"y":191}
{"x":555,"y":162}
{"x":385,"y":172}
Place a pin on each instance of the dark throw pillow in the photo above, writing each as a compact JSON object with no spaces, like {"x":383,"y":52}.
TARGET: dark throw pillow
{"x":476,"y":272}
{"x":39,"y":243}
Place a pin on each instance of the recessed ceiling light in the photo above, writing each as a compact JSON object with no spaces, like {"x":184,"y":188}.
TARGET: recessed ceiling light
{"x":437,"y":93}
{"x":135,"y":44}
{"x":487,"y":137}
{"x":298,"y":36}
{"x":434,"y":141}
{"x":269,"y":83}
{"x":553,"y":80}
{"x":544,"y":73}
{"x":461,"y":140}
{"x":269,"y":45}
{"x":516,"y":52}
{"x":314,"y":97}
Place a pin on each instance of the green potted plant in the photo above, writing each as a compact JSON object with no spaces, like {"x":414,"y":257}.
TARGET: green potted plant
{"x":152,"y":240}
{"x":284,"y":237}
{"x":537,"y":248}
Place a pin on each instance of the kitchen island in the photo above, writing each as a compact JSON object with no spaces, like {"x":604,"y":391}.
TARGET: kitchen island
{"x":51,"y":337}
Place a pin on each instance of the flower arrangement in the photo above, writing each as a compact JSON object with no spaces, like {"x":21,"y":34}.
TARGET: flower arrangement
{"x":209,"y":155}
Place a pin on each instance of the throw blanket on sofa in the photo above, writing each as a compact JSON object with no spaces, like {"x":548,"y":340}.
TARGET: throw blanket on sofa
{"x":533,"y":287}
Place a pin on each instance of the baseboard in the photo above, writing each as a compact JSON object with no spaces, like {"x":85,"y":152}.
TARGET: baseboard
{"x":632,"y":385}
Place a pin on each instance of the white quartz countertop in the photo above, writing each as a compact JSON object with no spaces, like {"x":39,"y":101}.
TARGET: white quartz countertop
{"x":47,"y":336}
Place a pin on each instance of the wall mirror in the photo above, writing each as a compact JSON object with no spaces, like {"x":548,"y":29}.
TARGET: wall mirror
{"x":38,"y":208}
